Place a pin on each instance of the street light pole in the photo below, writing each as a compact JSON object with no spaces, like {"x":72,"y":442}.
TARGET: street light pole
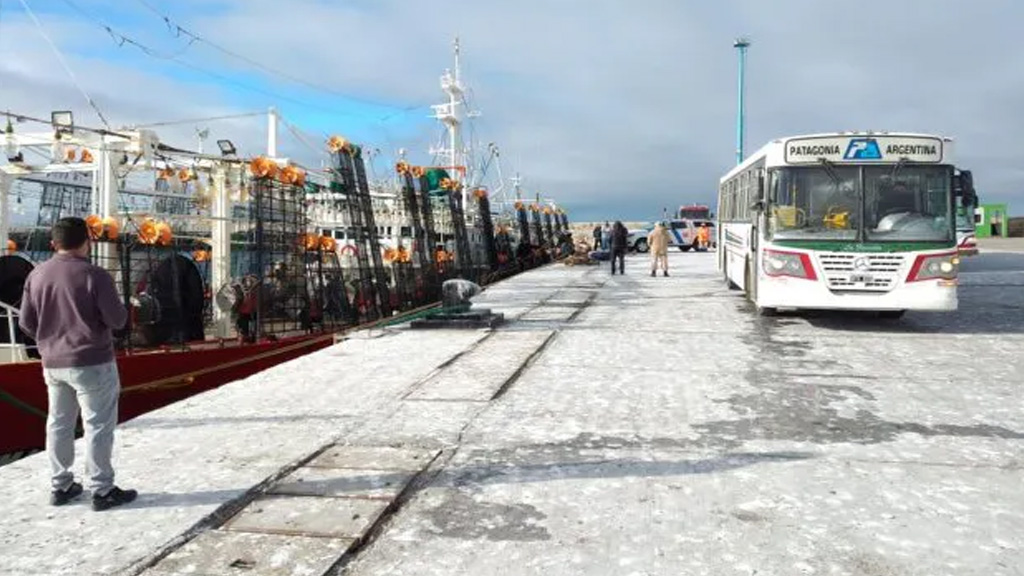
{"x":741,"y":45}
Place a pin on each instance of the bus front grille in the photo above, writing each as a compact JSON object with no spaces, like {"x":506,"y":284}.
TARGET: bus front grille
{"x":857,"y":271}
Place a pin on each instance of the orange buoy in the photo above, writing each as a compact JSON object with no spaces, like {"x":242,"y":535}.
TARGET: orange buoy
{"x":263,"y":167}
{"x":95,"y":225}
{"x":111,"y":228}
{"x":163,"y":231}
{"x":148,"y":233}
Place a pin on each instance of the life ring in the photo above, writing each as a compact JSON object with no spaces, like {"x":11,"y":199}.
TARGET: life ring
{"x":402,"y":167}
{"x":310,"y":241}
{"x":327,"y":244}
{"x":418,"y":171}
{"x":349,"y":249}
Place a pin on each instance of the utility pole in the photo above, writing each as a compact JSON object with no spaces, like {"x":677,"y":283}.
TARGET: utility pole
{"x":741,"y":45}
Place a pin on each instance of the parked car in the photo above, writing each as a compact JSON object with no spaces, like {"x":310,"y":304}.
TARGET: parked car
{"x":682,"y":235}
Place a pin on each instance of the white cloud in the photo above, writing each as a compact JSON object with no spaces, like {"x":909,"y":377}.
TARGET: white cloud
{"x":615,"y":108}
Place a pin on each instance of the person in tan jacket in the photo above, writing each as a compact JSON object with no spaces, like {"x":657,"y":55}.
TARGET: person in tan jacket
{"x":657,"y":240}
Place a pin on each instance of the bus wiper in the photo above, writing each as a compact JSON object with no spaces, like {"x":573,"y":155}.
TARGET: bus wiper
{"x":830,"y":170}
{"x":899,"y":166}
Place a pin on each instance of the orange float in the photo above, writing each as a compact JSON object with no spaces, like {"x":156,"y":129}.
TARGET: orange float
{"x":164,"y":235}
{"x":327,"y":244}
{"x":263,"y":167}
{"x":12,"y":246}
{"x":292,"y":175}
{"x":95,"y":225}
{"x":148,"y":233}
{"x":336,"y":144}
{"x":111,"y":228}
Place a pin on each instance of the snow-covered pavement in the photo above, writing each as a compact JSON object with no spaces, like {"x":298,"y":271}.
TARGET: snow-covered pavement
{"x":616,"y":425}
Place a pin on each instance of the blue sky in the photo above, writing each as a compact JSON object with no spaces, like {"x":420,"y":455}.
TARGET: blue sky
{"x":615,"y":108}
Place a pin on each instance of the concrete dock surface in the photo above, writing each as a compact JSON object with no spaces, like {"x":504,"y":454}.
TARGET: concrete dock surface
{"x":623,"y":425}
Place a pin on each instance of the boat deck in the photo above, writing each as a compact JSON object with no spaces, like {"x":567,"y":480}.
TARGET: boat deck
{"x":614,"y":425}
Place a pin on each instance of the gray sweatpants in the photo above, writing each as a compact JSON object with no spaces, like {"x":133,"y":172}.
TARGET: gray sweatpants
{"x":94,"y":389}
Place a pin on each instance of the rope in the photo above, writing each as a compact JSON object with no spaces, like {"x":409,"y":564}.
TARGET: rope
{"x":20,"y":404}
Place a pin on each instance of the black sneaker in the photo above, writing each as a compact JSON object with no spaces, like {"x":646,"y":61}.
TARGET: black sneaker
{"x":666,"y":272}
{"x":62,"y":497}
{"x":115,"y":497}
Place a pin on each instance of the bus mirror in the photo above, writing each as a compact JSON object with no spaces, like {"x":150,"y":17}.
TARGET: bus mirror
{"x":970,"y":197}
{"x":757,"y":206}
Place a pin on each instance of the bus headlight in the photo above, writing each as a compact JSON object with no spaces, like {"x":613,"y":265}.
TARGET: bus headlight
{"x":934,"y":267}
{"x":793,"y":264}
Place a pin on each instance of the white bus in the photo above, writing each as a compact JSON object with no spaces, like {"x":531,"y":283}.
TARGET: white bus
{"x":844,"y":221}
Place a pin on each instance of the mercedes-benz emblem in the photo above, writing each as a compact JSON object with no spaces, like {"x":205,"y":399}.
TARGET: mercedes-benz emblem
{"x":861,"y":264}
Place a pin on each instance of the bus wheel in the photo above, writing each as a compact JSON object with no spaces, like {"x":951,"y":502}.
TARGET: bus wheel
{"x":892,"y":314}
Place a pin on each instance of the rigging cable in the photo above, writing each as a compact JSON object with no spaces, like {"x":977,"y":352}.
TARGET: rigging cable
{"x":180,"y":30}
{"x":121,"y":39}
{"x":60,"y":57}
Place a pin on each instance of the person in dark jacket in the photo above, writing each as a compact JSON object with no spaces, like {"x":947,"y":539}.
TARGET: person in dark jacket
{"x":618,"y":245}
{"x":597,"y":237}
{"x":70,"y":308}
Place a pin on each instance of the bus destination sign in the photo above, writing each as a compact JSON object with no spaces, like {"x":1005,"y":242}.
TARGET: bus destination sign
{"x":864,"y":149}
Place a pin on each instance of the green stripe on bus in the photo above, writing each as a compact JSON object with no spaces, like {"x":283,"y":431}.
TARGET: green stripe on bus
{"x":847,"y":246}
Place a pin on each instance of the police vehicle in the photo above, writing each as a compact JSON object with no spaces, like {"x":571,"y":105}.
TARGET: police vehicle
{"x":682,"y":234}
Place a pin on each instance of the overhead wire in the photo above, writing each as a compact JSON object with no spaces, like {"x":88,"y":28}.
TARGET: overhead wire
{"x":63,"y":62}
{"x":121,"y":39}
{"x":180,"y":30}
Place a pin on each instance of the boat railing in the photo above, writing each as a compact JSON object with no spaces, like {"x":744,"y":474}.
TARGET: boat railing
{"x":12,"y":350}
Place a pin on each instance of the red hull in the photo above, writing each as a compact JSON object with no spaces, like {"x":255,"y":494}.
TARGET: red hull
{"x":149,"y":380}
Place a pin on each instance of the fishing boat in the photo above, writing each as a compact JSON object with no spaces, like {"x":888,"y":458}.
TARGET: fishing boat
{"x":226,"y":263}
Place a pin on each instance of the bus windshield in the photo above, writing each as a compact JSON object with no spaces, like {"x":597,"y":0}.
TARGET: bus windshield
{"x":821,"y":203}
{"x":898,"y":203}
{"x":911,"y":203}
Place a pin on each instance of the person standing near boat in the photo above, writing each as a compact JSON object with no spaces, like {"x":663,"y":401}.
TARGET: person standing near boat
{"x":606,"y":237}
{"x":70,"y":307}
{"x":597,"y":236}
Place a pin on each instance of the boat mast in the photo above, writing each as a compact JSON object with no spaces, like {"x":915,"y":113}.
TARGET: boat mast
{"x":455,"y":153}
{"x":272,"y":132}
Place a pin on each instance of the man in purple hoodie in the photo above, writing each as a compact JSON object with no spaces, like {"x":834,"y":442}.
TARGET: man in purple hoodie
{"x":70,"y":307}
